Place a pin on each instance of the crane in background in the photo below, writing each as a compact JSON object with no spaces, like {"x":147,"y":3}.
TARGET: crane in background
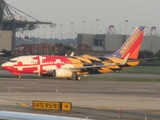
{"x":12,"y":22}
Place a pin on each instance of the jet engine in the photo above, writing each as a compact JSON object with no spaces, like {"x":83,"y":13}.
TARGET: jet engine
{"x":62,"y":72}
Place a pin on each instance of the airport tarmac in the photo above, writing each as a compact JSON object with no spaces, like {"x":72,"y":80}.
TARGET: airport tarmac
{"x":100,"y":100}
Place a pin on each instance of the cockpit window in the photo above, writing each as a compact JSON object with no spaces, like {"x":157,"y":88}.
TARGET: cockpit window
{"x":13,"y":61}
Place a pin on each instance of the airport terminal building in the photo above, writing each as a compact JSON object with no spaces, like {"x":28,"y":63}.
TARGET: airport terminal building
{"x":106,"y":43}
{"x":93,"y":44}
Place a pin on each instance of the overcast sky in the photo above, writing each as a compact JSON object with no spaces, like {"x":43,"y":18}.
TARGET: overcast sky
{"x":109,"y":12}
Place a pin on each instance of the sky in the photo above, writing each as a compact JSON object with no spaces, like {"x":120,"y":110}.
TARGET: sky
{"x":69,"y":14}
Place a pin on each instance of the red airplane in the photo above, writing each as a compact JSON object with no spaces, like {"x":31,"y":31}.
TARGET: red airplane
{"x":69,"y":66}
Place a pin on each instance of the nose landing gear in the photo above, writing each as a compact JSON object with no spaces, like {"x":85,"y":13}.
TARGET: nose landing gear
{"x":18,"y":76}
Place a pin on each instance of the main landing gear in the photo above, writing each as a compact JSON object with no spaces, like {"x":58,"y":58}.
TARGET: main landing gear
{"x":77,"y":77}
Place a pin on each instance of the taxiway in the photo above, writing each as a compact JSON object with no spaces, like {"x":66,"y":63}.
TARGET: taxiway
{"x":99,"y":100}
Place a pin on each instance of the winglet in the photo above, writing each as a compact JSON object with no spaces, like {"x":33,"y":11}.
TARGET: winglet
{"x":72,"y":54}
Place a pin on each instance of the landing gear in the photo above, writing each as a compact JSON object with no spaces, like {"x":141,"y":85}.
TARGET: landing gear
{"x":18,"y":76}
{"x":78,"y":77}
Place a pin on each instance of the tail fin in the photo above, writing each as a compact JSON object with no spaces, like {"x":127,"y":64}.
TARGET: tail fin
{"x":131,"y":46}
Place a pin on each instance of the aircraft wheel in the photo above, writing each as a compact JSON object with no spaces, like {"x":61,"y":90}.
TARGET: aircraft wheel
{"x":78,"y":78}
{"x":19,"y":76}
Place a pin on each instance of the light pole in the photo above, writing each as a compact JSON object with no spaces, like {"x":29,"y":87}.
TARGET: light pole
{"x":132,"y":29}
{"x":37,"y":30}
{"x":126,"y":26}
{"x":71,"y":30}
{"x":56,"y":38}
{"x":97,"y":25}
{"x":61,"y":31}
{"x":52,"y":25}
{"x":44,"y":32}
{"x":100,"y":31}
{"x":45,"y":52}
{"x":75,"y":33}
{"x":51,"y":31}
{"x":146,"y":30}
{"x":83,"y":26}
{"x":119,"y":31}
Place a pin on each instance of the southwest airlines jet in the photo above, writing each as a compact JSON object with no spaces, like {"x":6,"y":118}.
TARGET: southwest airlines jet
{"x":69,"y":66}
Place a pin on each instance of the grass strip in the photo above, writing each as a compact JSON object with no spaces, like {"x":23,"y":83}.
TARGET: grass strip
{"x":90,"y":78}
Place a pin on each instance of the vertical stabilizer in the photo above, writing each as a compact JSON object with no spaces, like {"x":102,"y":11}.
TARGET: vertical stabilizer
{"x":131,"y":46}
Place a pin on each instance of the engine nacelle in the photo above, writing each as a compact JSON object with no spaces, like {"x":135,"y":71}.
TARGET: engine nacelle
{"x":62,"y":72}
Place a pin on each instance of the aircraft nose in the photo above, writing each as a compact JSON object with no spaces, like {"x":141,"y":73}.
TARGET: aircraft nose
{"x":4,"y":65}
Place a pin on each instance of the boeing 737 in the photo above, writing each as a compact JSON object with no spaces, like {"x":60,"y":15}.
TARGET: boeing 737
{"x":69,"y":66}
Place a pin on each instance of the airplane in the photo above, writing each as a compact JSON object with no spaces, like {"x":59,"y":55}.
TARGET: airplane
{"x":69,"y":66}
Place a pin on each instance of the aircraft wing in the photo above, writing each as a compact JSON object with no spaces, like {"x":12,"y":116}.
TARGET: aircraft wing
{"x":124,"y":61}
{"x":76,"y":69}
{"x":105,"y":65}
{"x":31,"y":116}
